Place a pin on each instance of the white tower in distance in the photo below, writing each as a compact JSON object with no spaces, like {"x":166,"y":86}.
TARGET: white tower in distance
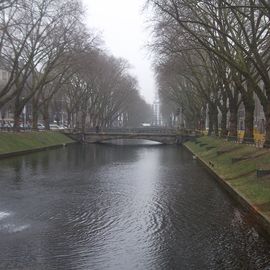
{"x":157,"y":120}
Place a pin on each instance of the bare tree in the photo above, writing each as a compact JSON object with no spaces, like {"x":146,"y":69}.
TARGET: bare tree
{"x":99,"y":91}
{"x":41,"y":34}
{"x":4,"y":4}
{"x":237,"y":32}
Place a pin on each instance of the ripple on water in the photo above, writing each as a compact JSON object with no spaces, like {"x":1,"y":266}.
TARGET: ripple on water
{"x":154,"y":216}
{"x":118,"y":208}
{"x":13,"y":228}
{"x":4,"y":215}
{"x":10,"y":227}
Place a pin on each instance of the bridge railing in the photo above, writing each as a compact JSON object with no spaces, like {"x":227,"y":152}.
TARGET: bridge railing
{"x":132,"y":130}
{"x":140,"y":130}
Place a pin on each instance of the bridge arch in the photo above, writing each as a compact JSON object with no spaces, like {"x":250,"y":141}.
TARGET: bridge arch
{"x":90,"y":138}
{"x":163,"y":136}
{"x":158,"y":140}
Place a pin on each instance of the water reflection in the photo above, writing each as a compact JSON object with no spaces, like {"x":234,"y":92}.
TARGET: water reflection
{"x":131,"y":142}
{"x":120,"y":207}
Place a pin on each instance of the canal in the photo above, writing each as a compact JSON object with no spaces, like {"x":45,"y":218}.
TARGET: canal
{"x":119,"y":207}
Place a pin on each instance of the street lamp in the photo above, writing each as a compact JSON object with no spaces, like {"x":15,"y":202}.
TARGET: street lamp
{"x":24,"y":114}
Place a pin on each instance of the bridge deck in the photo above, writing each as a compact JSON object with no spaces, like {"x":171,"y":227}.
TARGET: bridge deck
{"x":166,"y":136}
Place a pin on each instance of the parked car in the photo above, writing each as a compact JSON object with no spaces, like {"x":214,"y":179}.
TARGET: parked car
{"x":40,"y":126}
{"x":62,"y":127}
{"x":54,"y":127}
{"x":25,"y":126}
{"x":6,"y":123}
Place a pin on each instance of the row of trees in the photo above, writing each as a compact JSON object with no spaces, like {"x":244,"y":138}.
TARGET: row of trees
{"x":49,"y":54}
{"x":212,"y":56}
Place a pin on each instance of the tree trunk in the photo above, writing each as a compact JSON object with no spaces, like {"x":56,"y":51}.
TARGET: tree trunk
{"x":233,"y":121}
{"x":202,"y":119}
{"x":210,"y":122}
{"x":69,"y":118}
{"x":17,"y":113}
{"x":77,"y":122}
{"x":215,"y":120}
{"x":249,"y":105}
{"x":83,"y":119}
{"x":94,"y":121}
{"x":34,"y":114}
{"x":46,"y":116}
{"x":223,"y":124}
{"x":267,"y":125}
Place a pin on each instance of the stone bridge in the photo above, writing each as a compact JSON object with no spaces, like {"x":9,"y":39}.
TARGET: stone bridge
{"x":162,"y":135}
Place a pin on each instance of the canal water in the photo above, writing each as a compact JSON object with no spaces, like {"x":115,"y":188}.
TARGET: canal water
{"x":119,"y":207}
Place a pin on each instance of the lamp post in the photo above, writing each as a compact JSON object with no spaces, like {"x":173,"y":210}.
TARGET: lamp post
{"x":62,"y":111}
{"x":24,"y":116}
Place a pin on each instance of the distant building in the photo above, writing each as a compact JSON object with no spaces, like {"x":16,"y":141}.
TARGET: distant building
{"x":6,"y":110}
{"x":157,"y":119}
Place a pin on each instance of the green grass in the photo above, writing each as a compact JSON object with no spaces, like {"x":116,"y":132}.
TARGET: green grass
{"x":241,"y":175}
{"x":15,"y":142}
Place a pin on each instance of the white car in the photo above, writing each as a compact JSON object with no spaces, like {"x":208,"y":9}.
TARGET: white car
{"x":54,"y":127}
{"x":40,"y":126}
{"x":61,"y":127}
{"x":6,"y":123}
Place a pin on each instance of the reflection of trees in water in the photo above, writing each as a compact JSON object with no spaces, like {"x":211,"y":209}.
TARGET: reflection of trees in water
{"x":86,"y":156}
{"x":14,"y":169}
{"x":88,"y":196}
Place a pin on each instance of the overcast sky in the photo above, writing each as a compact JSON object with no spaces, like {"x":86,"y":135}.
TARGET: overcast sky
{"x":123,"y":29}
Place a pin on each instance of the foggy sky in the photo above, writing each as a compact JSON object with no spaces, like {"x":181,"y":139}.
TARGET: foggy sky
{"x":123,"y":28}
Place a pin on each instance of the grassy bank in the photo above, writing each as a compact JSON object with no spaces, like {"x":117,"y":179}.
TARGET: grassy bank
{"x":237,"y":165}
{"x":26,"y":141}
